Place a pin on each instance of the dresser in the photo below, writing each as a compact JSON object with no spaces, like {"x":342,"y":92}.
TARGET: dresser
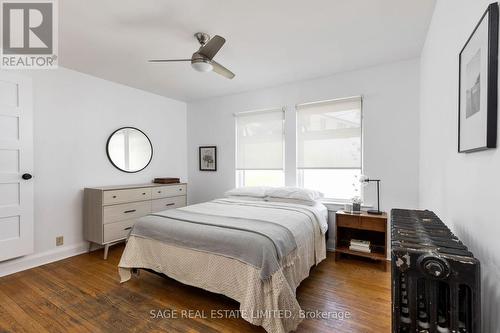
{"x":110,"y":212}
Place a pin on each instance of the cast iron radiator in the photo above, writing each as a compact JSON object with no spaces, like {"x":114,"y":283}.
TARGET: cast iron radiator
{"x":435,"y":279}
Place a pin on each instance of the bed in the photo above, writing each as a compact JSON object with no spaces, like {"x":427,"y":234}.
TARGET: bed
{"x":254,"y":251}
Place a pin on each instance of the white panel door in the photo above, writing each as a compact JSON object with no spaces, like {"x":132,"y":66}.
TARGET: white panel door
{"x":16,"y":166}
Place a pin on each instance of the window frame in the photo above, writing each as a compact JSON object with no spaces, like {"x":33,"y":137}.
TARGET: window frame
{"x":300,"y":171}
{"x":300,"y":183}
{"x":240,"y":173}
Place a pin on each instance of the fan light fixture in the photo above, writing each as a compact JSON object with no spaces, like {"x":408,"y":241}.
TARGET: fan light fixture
{"x":202,"y":65}
{"x":203,"y":59}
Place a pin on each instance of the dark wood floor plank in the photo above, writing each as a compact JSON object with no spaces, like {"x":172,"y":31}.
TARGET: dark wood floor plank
{"x":141,"y":304}
{"x":83,"y":294}
{"x":133,"y":306}
{"x":41,"y":310}
{"x":60,"y":297}
{"x":14,"y":319}
{"x":160,"y":287}
{"x":97,"y":301}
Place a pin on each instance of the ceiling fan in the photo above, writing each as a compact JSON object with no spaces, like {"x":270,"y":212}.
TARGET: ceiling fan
{"x":202,"y":60}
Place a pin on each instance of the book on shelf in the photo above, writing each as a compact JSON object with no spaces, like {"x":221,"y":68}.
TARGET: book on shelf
{"x":360,"y":249}
{"x":359,"y":242}
{"x":360,"y":245}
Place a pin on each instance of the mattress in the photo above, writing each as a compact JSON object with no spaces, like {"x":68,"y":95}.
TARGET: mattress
{"x":269,"y":302}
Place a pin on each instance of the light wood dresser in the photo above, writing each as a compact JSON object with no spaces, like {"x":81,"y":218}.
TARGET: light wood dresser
{"x":110,"y":212}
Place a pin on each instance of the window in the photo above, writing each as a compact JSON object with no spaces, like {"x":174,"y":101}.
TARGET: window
{"x":260,"y":148}
{"x":329,"y":147}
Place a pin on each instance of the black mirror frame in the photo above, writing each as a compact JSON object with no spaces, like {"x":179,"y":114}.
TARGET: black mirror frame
{"x":109,"y":157}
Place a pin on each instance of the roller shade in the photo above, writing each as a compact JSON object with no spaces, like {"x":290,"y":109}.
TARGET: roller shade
{"x":329,"y":134}
{"x":259,"y":140}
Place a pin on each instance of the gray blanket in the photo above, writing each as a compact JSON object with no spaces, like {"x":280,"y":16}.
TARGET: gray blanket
{"x":261,"y":243}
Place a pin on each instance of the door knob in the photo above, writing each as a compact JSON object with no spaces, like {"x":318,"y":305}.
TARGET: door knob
{"x":27,"y":176}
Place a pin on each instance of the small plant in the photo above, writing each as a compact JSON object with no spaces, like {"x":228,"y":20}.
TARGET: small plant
{"x":356,"y":204}
{"x":357,"y":200}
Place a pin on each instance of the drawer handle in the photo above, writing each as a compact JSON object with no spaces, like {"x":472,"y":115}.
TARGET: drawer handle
{"x":130,"y":211}
{"x":114,"y":196}
{"x":180,"y":189}
{"x":159,"y":191}
{"x":127,"y":228}
{"x":144,"y":193}
{"x":170,"y":204}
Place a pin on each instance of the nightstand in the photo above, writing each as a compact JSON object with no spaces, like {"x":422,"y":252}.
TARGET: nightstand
{"x":363,"y":226}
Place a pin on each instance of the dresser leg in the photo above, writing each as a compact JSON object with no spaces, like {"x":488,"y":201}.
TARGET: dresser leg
{"x":106,"y":248}
{"x":90,"y":247}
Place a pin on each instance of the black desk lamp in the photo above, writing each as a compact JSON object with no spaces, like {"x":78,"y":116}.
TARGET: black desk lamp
{"x":368,"y":180}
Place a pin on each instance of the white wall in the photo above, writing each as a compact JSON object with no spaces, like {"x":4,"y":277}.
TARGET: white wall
{"x":461,"y":188}
{"x":390,"y":110}
{"x":74,"y":114}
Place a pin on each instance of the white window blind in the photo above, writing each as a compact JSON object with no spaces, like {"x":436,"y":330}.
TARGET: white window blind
{"x":329,"y":134}
{"x":260,"y":140}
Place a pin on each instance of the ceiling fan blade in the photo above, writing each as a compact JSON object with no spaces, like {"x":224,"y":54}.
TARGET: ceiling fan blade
{"x":210,"y":49}
{"x":168,"y":60}
{"x":219,"y":69}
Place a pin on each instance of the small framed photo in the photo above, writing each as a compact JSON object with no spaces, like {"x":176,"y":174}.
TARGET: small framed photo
{"x":208,"y":158}
{"x":477,"y":114}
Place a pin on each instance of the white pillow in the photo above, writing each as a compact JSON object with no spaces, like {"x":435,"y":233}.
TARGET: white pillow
{"x":292,"y":201}
{"x":294,"y":193}
{"x":245,"y":197}
{"x":248,"y":191}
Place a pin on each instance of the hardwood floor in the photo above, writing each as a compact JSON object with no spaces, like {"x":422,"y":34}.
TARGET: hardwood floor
{"x":83,"y":294}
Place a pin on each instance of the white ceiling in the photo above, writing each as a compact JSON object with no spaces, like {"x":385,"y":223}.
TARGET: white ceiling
{"x":268,"y":42}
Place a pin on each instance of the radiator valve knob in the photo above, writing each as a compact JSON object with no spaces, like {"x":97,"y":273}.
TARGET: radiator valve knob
{"x":434,"y":267}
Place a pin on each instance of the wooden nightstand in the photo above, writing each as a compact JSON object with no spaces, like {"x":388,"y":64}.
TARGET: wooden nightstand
{"x":362,"y":226}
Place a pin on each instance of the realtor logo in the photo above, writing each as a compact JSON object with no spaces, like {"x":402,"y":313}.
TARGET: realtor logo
{"x":29,"y":34}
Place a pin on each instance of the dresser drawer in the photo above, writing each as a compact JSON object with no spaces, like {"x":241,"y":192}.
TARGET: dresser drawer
{"x":126,"y":211}
{"x":168,"y":191}
{"x":119,"y":196}
{"x":348,"y":221}
{"x":168,"y":203}
{"x":118,"y":230}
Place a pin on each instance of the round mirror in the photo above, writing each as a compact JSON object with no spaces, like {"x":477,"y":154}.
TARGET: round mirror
{"x":129,"y":149}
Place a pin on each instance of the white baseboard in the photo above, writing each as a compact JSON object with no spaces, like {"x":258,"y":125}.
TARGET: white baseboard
{"x":39,"y":259}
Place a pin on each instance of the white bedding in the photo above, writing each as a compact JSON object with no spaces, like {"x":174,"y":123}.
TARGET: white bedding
{"x":234,"y":278}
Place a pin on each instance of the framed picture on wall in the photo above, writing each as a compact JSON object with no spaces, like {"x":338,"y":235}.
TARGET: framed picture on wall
{"x":208,"y":158}
{"x":477,"y":115}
